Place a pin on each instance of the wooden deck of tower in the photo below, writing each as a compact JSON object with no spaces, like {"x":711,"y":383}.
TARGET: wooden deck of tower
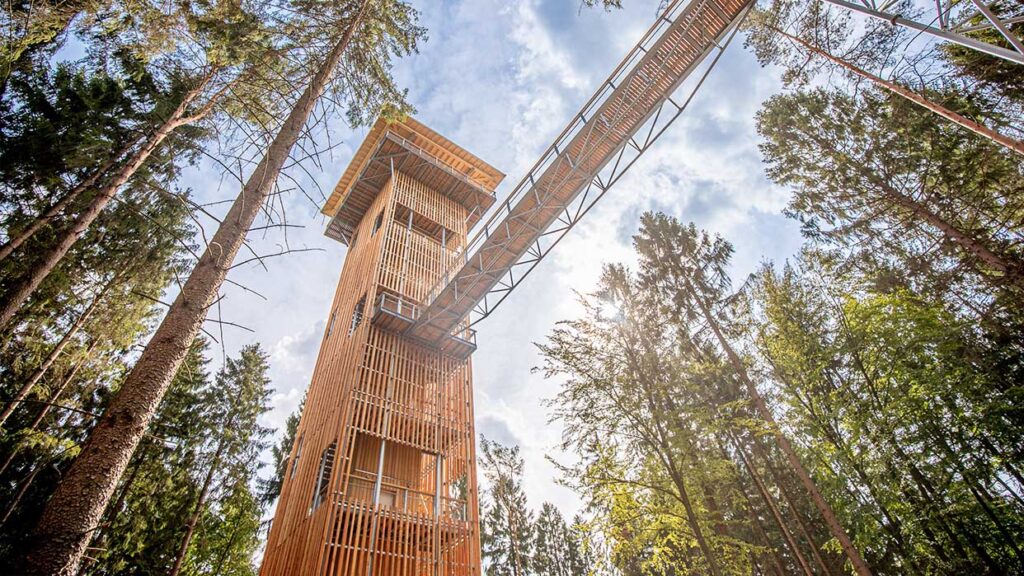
{"x":381,"y":479}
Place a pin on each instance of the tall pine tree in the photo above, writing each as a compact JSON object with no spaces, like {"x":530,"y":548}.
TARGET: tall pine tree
{"x":506,"y":522}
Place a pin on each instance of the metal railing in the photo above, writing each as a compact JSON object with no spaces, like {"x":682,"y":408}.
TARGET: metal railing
{"x":398,"y":306}
{"x":403,"y":308}
{"x":404,"y":500}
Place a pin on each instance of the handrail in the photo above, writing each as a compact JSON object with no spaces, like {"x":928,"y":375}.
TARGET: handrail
{"x":423,"y":502}
{"x":578,"y":122}
{"x":400,"y":307}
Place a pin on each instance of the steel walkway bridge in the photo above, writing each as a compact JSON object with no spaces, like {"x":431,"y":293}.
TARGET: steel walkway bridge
{"x":648,"y":90}
{"x":628,"y":113}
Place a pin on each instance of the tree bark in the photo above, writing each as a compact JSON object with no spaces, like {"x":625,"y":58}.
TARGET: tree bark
{"x":115,"y":509}
{"x":894,"y":526}
{"x":62,"y":534}
{"x":40,"y":371}
{"x":49,"y":257}
{"x":980,"y":129}
{"x":835,"y":527}
{"x":759,"y":529}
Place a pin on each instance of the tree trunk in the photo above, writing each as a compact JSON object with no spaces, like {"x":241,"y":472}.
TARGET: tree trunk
{"x":772,"y":507}
{"x":60,"y":538}
{"x":1011,"y":271}
{"x":979,"y":129}
{"x":1011,"y":268}
{"x":665,"y":453}
{"x":889,"y":522}
{"x":114,"y":510}
{"x":759,"y":529}
{"x":53,"y":400}
{"x":57,"y":207}
{"x":791,"y":502}
{"x":691,"y":517}
{"x":930,"y":496}
{"x":40,"y":371}
{"x":21,"y":493}
{"x":837,"y":530}
{"x":197,"y":513}
{"x":49,"y":257}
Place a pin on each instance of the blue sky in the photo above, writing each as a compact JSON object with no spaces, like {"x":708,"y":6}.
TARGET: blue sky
{"x":502,"y":79}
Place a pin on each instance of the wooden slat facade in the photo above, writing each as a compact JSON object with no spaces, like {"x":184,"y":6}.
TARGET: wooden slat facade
{"x":381,"y":479}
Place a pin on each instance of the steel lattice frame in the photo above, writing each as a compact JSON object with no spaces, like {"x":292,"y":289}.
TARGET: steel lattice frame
{"x":599,"y":184}
{"x":495,"y":258}
{"x":591,"y":185}
{"x":951,"y":21}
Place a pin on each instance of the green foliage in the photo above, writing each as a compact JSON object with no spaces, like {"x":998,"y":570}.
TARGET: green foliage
{"x":195,"y":68}
{"x":389,"y":29}
{"x":270,"y":488}
{"x":145,"y":523}
{"x":899,"y":413}
{"x":558,"y":549}
{"x":227,"y":534}
{"x":65,"y":121}
{"x":888,"y":386}
{"x":653,"y":412}
{"x":507,"y":526}
{"x":866,"y":43}
{"x":996,"y":75}
{"x":199,"y":464}
{"x":898,"y":191}
{"x":606,"y":4}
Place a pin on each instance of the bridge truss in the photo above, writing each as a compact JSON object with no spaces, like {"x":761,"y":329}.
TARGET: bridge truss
{"x":641,"y":98}
{"x":630,"y":111}
{"x":951,"y":21}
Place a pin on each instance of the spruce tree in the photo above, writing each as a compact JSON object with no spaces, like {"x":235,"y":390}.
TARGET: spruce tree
{"x":881,"y":379}
{"x":221,"y":532}
{"x":378,"y":31}
{"x":507,"y":526}
{"x":143,"y":526}
{"x":881,"y":176}
{"x":270,"y":488}
{"x":557,"y":548}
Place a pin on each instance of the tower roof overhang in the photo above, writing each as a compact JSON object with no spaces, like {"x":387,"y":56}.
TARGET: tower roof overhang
{"x":419,"y":152}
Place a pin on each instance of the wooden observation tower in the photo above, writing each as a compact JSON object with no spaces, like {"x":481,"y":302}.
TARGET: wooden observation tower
{"x":381,"y":479}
